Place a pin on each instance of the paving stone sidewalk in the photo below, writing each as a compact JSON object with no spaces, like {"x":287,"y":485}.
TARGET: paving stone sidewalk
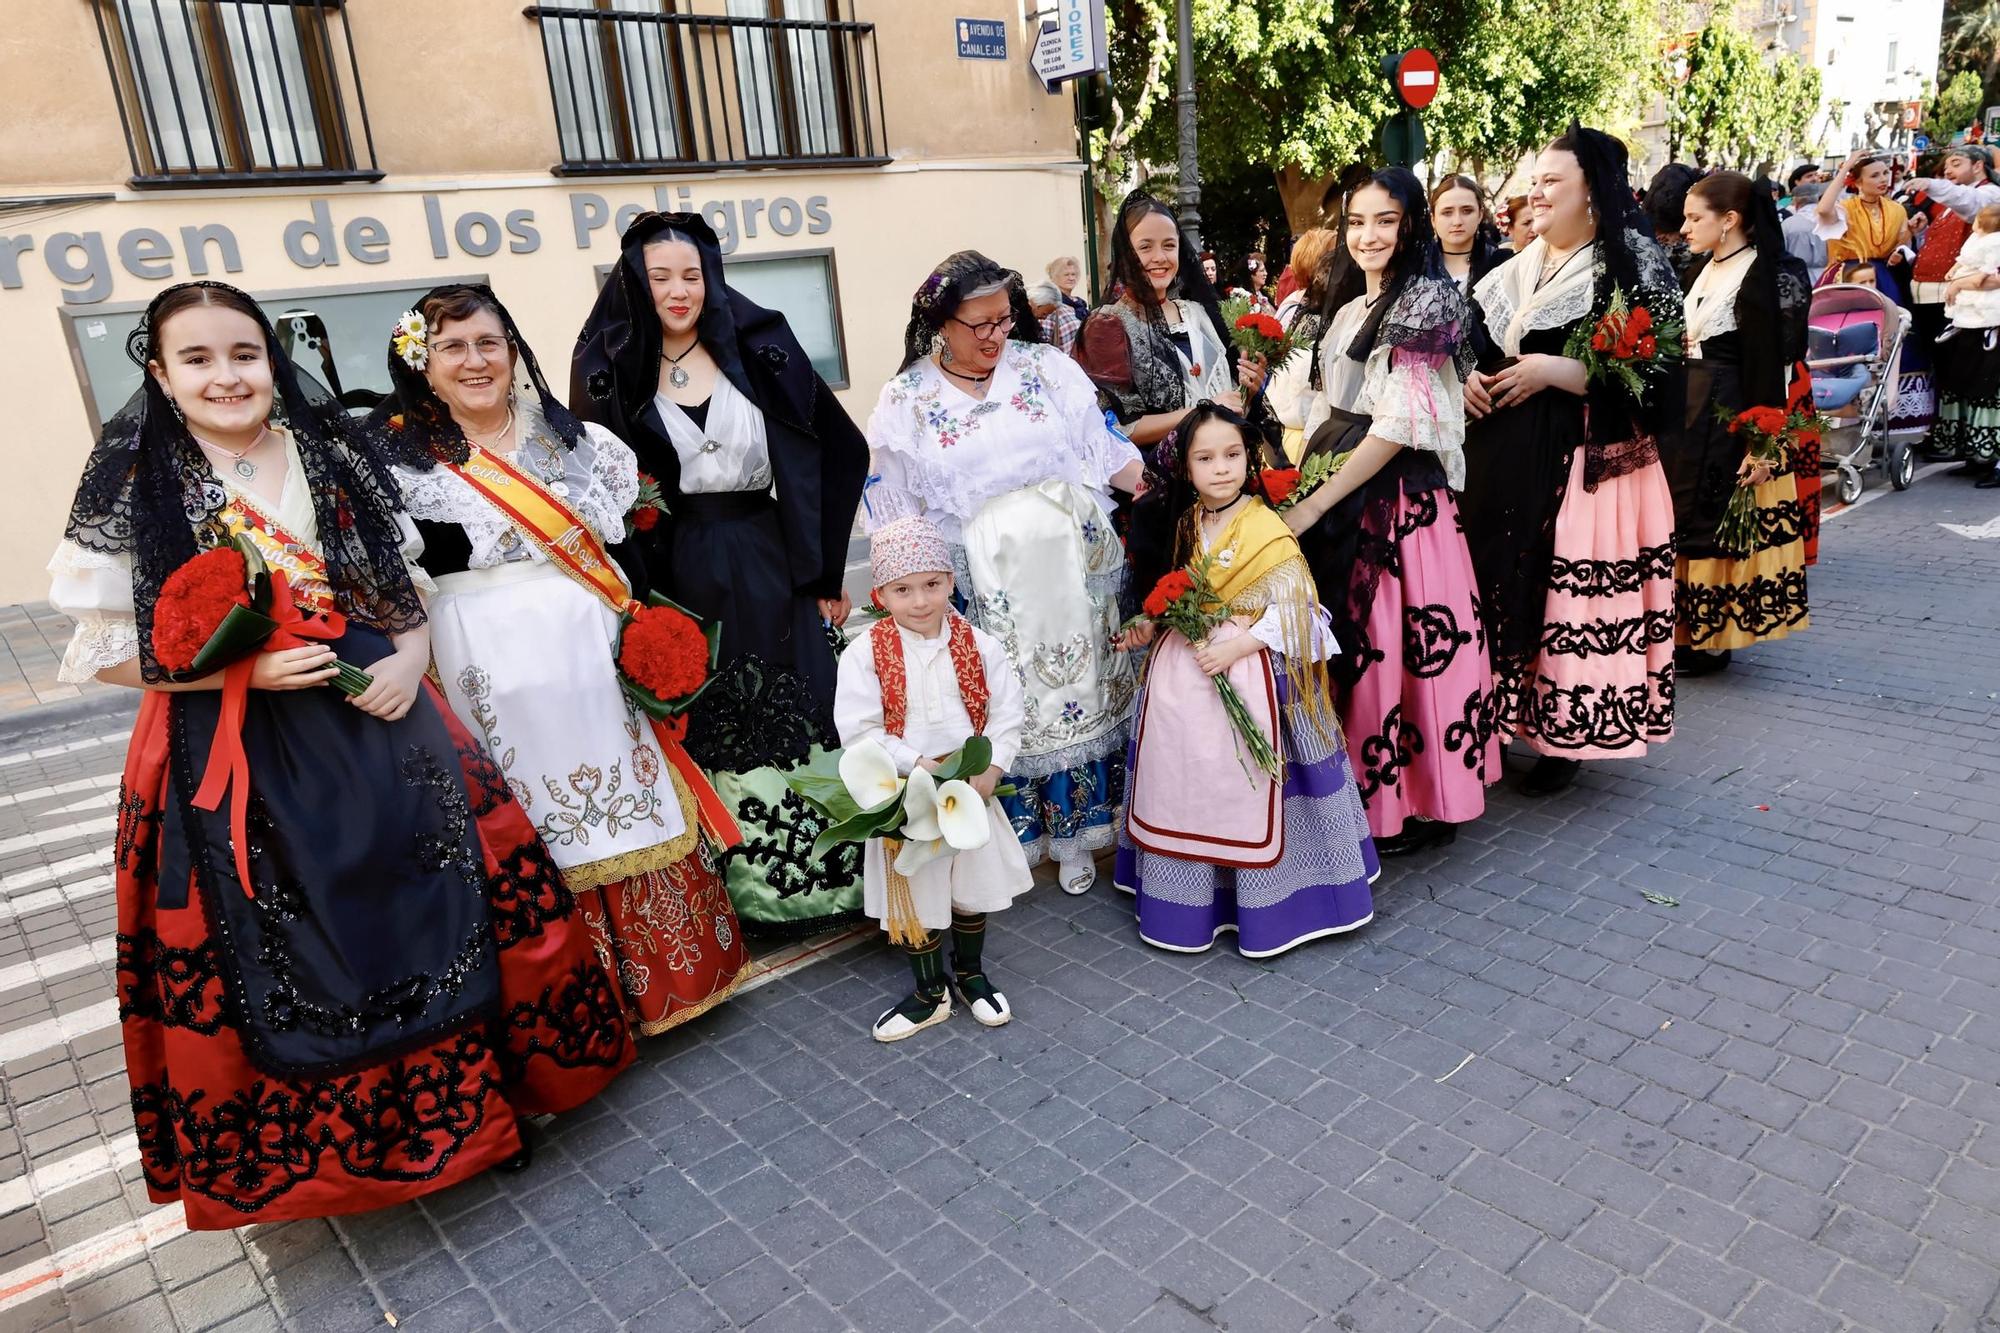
{"x":1706,"y":1044}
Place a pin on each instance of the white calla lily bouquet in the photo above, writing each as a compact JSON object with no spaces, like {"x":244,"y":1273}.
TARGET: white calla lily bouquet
{"x":926,"y":817}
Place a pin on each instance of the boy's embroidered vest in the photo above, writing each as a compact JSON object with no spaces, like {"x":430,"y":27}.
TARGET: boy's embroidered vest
{"x":887,"y":645}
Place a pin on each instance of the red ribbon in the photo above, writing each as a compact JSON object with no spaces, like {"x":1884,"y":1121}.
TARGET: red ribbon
{"x":228,"y":765}
{"x":716,"y":820}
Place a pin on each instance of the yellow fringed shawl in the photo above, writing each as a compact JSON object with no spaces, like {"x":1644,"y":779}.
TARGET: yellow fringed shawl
{"x":1866,"y":237}
{"x":1253,"y":562}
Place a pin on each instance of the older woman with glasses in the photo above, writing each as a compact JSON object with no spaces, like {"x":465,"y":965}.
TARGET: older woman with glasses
{"x":999,"y":440}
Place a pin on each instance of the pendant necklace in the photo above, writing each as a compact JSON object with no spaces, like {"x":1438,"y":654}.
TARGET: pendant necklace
{"x":239,"y":463}
{"x":675,"y":375}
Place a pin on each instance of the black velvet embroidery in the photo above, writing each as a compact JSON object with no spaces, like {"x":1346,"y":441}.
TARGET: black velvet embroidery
{"x":485,"y":783}
{"x":177,"y":988}
{"x":787,"y":866}
{"x":1384,"y":756}
{"x":754,"y":715}
{"x":1606,"y":578}
{"x":1756,"y":607}
{"x":1597,"y":638}
{"x":401,"y":1124}
{"x":138,"y":830}
{"x":1470,"y":736}
{"x":1431,"y":640}
{"x":1584,"y":716}
{"x":577,"y":1022}
{"x":527,"y":894}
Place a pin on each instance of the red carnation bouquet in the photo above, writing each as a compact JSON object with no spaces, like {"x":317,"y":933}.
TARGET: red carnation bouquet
{"x":1185,"y":600}
{"x":1763,"y":431}
{"x":1257,"y":333}
{"x":648,"y":509}
{"x":665,"y":657}
{"x":226,"y":604}
{"x":1284,"y":487}
{"x":1625,"y":340}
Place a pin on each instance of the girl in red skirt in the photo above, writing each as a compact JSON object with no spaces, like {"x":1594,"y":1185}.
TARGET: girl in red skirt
{"x":346,"y":965}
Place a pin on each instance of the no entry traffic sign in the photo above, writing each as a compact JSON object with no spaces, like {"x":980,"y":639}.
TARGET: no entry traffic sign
{"x":1416,"y":78}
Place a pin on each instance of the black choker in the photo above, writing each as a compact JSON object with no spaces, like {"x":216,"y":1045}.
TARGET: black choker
{"x":1459,"y":254}
{"x":961,"y":375}
{"x":1215,"y":513}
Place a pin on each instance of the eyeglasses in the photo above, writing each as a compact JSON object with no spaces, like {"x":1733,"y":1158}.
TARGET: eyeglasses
{"x":988,"y":329}
{"x":455,"y":349}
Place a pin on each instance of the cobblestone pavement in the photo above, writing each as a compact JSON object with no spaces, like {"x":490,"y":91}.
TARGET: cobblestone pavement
{"x":1708,"y":1043}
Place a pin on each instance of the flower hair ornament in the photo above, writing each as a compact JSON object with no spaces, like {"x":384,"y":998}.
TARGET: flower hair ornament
{"x":411,"y":338}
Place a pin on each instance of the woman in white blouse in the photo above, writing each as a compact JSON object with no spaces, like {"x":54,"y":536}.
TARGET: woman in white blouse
{"x":1414,"y":683}
{"x":523,"y":641}
{"x":999,"y":440}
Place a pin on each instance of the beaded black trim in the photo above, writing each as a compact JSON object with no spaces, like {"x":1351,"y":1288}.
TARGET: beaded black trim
{"x":578,"y":1023}
{"x":527,"y":894}
{"x":177,"y":988}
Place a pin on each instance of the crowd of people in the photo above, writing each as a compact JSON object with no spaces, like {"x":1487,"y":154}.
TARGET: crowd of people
{"x":1250,"y":628}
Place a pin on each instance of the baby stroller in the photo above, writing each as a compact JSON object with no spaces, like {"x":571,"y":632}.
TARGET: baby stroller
{"x":1854,"y":341}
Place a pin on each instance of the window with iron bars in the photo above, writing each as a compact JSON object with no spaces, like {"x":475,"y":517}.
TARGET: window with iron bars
{"x":220,"y":92}
{"x":642,"y":85}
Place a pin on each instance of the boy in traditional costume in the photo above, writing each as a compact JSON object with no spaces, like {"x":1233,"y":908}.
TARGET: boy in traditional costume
{"x":920,"y":683}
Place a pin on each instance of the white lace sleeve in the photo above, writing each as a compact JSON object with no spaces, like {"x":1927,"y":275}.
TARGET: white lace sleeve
{"x":1102,"y":453}
{"x":1290,"y":390}
{"x":1834,"y":230}
{"x":95,"y":590}
{"x":410,"y":543}
{"x":1415,"y":399}
{"x":892,"y":492}
{"x":613,"y":484}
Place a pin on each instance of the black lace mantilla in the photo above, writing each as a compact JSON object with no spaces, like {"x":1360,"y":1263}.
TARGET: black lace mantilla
{"x":148,"y":492}
{"x":755,"y":715}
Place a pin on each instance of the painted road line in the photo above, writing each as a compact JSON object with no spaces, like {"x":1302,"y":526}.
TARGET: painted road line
{"x":88,"y":828}
{"x":57,"y":751}
{"x":105,"y":1250}
{"x":58,"y":1030}
{"x":97,"y":783}
{"x":69,"y":1172}
{"x":30,"y":903}
{"x":47,"y":967}
{"x":38,"y":876}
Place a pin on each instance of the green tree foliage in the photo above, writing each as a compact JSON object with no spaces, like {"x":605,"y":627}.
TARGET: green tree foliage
{"x":1971,"y":40}
{"x":1956,"y":108}
{"x":1738,"y":107}
{"x":1296,"y":86}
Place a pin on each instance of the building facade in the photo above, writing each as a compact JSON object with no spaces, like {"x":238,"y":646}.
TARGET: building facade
{"x":335,"y":158}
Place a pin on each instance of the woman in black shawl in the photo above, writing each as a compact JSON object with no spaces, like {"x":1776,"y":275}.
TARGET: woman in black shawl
{"x":1566,"y":507}
{"x":761,"y":472}
{"x":1746,"y":337}
{"x":346,"y":965}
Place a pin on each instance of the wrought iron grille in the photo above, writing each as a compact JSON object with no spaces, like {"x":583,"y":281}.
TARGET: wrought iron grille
{"x":647,"y":89}
{"x":235,"y":92}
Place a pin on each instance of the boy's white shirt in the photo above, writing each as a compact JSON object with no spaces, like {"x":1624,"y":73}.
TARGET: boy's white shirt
{"x":936,"y":721}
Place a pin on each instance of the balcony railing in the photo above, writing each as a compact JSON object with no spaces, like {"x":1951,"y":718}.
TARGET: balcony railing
{"x":237,"y":92}
{"x":638,"y":92}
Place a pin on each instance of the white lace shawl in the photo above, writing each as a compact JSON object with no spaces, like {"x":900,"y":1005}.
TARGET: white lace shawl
{"x":1512,"y":305}
{"x":1711,"y":303}
{"x":940,"y":453}
{"x":598,"y":480}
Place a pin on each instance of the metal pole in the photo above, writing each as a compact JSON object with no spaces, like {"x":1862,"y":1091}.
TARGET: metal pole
{"x":1190,"y":191}
{"x":1093,"y":288}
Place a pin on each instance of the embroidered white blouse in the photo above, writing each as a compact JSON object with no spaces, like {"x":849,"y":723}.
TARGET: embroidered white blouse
{"x":941,"y":452}
{"x":94,"y":588}
{"x":936,"y":721}
{"x":598,"y":480}
{"x":1413,"y":400}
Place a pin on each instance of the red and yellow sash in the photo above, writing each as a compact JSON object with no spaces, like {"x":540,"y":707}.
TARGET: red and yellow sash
{"x":303,"y":567}
{"x":887,"y":646}
{"x":556,"y":531}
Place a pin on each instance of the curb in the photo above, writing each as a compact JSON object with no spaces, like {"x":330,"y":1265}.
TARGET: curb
{"x":24,"y":723}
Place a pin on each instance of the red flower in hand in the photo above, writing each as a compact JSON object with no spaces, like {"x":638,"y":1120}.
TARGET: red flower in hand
{"x":1648,"y":346}
{"x":192,"y":603}
{"x":1279,"y":483}
{"x":1172,"y":586}
{"x":664,"y":651}
{"x":1641,"y":319}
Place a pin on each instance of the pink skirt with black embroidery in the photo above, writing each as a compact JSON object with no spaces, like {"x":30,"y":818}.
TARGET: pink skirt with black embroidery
{"x":1602,"y":684}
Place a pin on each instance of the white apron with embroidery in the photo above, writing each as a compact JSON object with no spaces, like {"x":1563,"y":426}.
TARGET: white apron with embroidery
{"x":525,"y":656}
